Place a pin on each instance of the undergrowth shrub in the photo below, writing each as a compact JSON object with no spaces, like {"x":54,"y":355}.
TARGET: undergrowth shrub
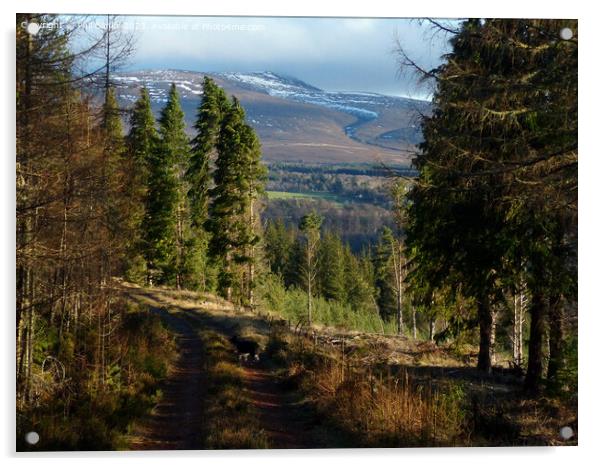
{"x":79,"y":406}
{"x":376,"y":409}
{"x":291,"y":304}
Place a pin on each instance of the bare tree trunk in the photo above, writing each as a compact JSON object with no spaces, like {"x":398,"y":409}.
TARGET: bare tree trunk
{"x":520,"y":331}
{"x":227,"y":268}
{"x":30,"y":340}
{"x":398,"y":268}
{"x":251,"y":295}
{"x":520,"y":306}
{"x":309,"y":280}
{"x":399,"y":313}
{"x":557,"y":336}
{"x":180,"y":242}
{"x":485,"y":330}
{"x":517,"y":329}
{"x":493,"y":336}
{"x":431,"y":328}
{"x":414,"y":322}
{"x":535,"y":365}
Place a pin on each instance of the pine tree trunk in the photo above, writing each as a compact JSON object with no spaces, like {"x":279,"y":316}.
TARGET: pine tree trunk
{"x":535,"y":365}
{"x":493,"y":336}
{"x":485,"y":330}
{"x":227,"y":269}
{"x":251,"y":296}
{"x":180,"y":244}
{"x":557,"y":336}
{"x":24,"y":273}
{"x":517,"y":329}
{"x":520,"y":331}
{"x":399,"y":313}
{"x":309,"y":280}
{"x":251,"y":279}
{"x":414,"y":322}
{"x":30,"y":340}
{"x":431,"y":328}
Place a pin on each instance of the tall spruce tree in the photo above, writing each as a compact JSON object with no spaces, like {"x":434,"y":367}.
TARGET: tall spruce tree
{"x":141,"y":143}
{"x":331,"y":276}
{"x":278,"y":245}
{"x":160,"y":225}
{"x":451,"y":223}
{"x":254,"y":176}
{"x":142,"y":137}
{"x":214,"y":105}
{"x":359,"y":291}
{"x":175,"y":146}
{"x":233,"y":218}
{"x":384,"y":280}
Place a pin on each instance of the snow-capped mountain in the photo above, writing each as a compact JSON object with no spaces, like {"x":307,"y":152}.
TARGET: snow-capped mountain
{"x":296,"y":120}
{"x":294,"y":89}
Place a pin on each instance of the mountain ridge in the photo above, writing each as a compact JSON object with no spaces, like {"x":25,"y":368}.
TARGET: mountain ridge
{"x":295,"y":120}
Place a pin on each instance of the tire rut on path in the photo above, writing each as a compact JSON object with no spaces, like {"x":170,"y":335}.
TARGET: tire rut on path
{"x":281,"y":417}
{"x":175,"y":423}
{"x":285,"y":422}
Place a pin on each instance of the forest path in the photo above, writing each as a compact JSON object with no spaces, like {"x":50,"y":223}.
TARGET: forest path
{"x":280,"y":415}
{"x":176,"y":422}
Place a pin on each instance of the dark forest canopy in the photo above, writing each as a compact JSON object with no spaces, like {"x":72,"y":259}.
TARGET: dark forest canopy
{"x":495,"y":204}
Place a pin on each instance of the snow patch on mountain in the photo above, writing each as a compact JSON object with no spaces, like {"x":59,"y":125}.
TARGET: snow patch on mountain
{"x":294,"y":89}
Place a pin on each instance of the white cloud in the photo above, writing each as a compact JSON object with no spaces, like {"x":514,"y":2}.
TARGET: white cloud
{"x":333,"y":53}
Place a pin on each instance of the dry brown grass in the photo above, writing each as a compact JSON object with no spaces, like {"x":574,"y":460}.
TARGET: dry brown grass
{"x":231,"y":422}
{"x":375,"y":409}
{"x":389,"y":411}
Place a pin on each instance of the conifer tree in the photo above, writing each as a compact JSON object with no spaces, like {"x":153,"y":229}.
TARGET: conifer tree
{"x":160,"y":225}
{"x":210,"y":114}
{"x":175,"y":147}
{"x":359,"y":291}
{"x":384,"y":280}
{"x":331,"y":276}
{"x":254,"y":178}
{"x":233,"y":219}
{"x":141,"y":143}
{"x":142,"y":137}
{"x":112,"y":202}
{"x":498,"y":174}
{"x":278,"y":245}
{"x":310,"y":226}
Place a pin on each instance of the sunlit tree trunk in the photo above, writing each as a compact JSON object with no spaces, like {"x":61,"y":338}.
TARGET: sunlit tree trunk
{"x":485,"y":317}
{"x":520,"y":301}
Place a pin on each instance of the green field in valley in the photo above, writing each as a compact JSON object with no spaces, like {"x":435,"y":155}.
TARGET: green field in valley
{"x":311,"y":196}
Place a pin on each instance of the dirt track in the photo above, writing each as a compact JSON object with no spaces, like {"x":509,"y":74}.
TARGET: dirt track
{"x":176,"y":422}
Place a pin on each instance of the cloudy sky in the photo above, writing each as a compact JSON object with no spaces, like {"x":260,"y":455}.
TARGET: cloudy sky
{"x":330,"y":53}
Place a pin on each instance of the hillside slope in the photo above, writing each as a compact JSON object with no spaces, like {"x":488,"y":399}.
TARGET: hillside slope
{"x":296,"y":121}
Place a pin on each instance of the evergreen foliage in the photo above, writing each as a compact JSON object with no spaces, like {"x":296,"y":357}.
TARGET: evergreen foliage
{"x":497,"y":178}
{"x":238,"y":180}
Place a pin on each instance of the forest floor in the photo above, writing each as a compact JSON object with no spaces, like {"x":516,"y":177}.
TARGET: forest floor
{"x":279,"y":414}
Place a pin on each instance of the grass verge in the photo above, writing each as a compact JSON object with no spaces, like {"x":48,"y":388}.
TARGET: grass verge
{"x":231,"y":422}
